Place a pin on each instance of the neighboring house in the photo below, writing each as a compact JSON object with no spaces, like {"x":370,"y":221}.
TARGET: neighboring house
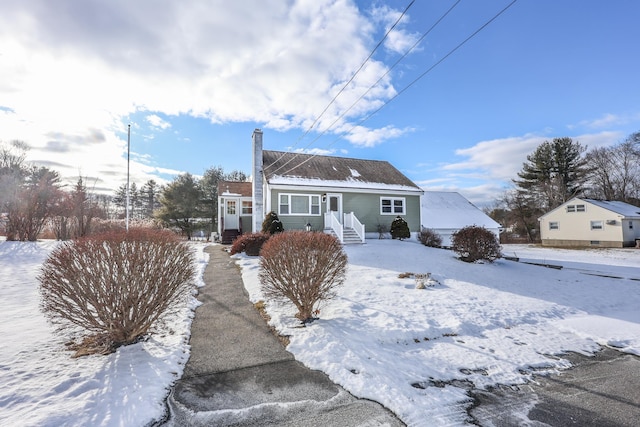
{"x":234,"y":209}
{"x":588,"y":222}
{"x":349,"y":197}
{"x":447,"y":212}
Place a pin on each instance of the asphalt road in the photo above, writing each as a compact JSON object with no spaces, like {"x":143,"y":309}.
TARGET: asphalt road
{"x":603,"y":390}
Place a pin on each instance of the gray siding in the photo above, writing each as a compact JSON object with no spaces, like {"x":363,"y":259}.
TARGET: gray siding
{"x":365,"y":206}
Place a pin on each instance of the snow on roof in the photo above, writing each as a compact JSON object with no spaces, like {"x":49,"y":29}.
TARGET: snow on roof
{"x":450,"y":210}
{"x":346,"y":184}
{"x":622,"y":208}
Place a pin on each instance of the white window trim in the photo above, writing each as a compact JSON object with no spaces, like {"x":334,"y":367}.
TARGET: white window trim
{"x":246,"y":207}
{"x":309,"y":204}
{"x":556,"y":223}
{"x":596,"y":222}
{"x":393,"y":199}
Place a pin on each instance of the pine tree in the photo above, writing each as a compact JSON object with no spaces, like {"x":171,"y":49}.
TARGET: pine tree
{"x":272,"y":223}
{"x":400,"y":229}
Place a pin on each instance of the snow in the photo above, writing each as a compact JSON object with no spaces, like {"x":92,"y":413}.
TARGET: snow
{"x":416,"y":351}
{"x":419,"y":351}
{"x":351,"y":183}
{"x":43,"y":386}
{"x":450,"y":210}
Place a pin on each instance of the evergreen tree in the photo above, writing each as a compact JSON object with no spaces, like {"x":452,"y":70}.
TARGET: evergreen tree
{"x":400,"y":229}
{"x":554,"y":173}
{"x":181,"y":204}
{"x":272,"y":223}
{"x":149,"y":194}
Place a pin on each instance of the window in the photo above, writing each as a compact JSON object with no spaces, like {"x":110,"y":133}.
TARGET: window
{"x":553,"y":225}
{"x":299,"y":204}
{"x":596,"y":225}
{"x":392,"y":205}
{"x":247,"y":207}
{"x":630,"y":225}
{"x":571,"y":208}
{"x":231,"y":207}
{"x":576,"y":208}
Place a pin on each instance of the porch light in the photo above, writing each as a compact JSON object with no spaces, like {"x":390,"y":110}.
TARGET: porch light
{"x":308,"y":226}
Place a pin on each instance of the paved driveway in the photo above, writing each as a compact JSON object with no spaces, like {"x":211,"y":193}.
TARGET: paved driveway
{"x":602,"y":391}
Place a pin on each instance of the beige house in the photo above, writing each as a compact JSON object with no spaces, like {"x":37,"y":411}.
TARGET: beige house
{"x":587,"y":222}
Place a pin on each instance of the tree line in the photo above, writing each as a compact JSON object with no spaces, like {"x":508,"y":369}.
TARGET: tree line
{"x":33,"y":199}
{"x":561,"y":169}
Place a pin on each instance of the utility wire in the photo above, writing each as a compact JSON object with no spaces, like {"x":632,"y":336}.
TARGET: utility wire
{"x":347,"y":84}
{"x":385,"y":74}
{"x":411,"y":83}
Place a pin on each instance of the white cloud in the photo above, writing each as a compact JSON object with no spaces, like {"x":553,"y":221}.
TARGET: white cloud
{"x":157,"y":122}
{"x":398,"y":40}
{"x":70,"y":67}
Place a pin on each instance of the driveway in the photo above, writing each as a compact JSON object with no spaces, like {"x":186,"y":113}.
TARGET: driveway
{"x":603,"y":390}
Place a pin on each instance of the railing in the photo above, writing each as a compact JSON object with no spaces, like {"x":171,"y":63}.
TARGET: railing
{"x":351,"y":221}
{"x":332,"y":222}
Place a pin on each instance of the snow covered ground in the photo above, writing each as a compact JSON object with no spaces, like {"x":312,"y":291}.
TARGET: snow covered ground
{"x":418,"y":351}
{"x":415,"y":351}
{"x":41,"y":385}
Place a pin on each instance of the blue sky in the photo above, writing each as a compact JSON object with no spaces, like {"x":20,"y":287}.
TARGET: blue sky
{"x":195,"y":78}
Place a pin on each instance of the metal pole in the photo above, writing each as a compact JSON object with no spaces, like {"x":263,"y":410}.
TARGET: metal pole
{"x":128,"y":156}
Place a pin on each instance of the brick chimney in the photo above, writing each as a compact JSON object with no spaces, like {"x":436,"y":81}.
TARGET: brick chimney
{"x":258,"y":200}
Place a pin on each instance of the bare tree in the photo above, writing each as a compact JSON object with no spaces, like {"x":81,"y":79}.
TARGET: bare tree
{"x":614,"y":172}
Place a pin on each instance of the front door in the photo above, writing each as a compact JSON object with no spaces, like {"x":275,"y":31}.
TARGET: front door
{"x":231,"y":216}
{"x":334,"y":204}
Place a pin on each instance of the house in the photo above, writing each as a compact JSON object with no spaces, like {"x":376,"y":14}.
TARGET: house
{"x":588,"y":222}
{"x":446,"y":212}
{"x":235,"y":209}
{"x":348,"y":197}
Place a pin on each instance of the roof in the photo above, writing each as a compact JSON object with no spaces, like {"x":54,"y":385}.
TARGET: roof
{"x":234,"y":187}
{"x":450,"y":210}
{"x":314,"y":170}
{"x":622,"y":208}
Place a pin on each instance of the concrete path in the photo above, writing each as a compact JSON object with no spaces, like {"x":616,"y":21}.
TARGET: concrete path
{"x":239,"y":374}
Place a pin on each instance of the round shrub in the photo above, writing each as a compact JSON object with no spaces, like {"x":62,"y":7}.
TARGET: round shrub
{"x":115,"y":286}
{"x":272,"y":224}
{"x":475,"y":243}
{"x":304,"y":268}
{"x":429,"y":237}
{"x":250,"y":243}
{"x":399,"y":229}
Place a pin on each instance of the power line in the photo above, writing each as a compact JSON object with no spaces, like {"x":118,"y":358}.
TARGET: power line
{"x":386,"y":73}
{"x":412,"y":82}
{"x":347,"y":84}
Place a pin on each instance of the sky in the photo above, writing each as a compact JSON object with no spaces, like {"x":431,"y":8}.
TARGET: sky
{"x":459,"y":112}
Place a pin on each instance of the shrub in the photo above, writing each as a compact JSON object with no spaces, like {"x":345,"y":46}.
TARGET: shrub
{"x":429,"y":237}
{"x":399,"y":229}
{"x":272,"y":223}
{"x":250,"y":243}
{"x":115,"y":286}
{"x":475,"y":243}
{"x":304,"y":268}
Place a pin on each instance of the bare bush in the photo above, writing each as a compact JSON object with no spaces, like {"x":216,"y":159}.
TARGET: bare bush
{"x":475,"y":243}
{"x":304,"y":268}
{"x":250,"y":243}
{"x":429,"y":237}
{"x":115,"y":286}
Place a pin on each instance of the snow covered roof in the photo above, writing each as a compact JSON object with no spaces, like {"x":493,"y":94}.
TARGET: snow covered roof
{"x":328,"y":171}
{"x":622,"y":208}
{"x":450,"y":210}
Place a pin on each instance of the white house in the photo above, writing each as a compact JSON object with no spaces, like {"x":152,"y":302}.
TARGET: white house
{"x":588,"y":222}
{"x":446,"y":212}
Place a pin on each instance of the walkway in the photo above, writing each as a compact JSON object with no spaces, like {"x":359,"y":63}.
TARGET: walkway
{"x":240,"y":375}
